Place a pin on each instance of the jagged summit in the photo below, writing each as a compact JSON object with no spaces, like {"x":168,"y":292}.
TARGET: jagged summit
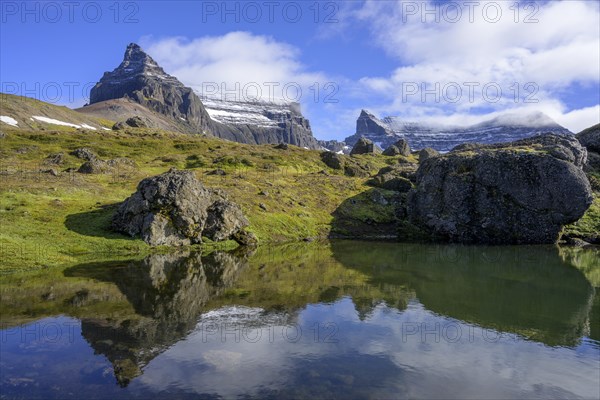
{"x":136,"y":61}
{"x":140,"y":79}
{"x":503,"y":128}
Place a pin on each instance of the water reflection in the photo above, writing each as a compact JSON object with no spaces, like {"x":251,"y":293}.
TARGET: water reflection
{"x":344,"y":319}
{"x":167,"y":292}
{"x":527,"y":290}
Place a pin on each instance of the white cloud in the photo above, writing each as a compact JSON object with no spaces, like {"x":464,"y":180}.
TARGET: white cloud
{"x":234,"y":60}
{"x":561,"y":49}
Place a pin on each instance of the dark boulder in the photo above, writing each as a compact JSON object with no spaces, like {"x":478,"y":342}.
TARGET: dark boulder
{"x":55,"y":159}
{"x":176,"y":209}
{"x":365,"y":146}
{"x":519,"y":192}
{"x":84,"y":153}
{"x":400,"y":148}
{"x":332,"y":160}
{"x":94,"y":166}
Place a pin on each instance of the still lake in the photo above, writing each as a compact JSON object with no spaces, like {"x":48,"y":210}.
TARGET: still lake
{"x":340,"y":319}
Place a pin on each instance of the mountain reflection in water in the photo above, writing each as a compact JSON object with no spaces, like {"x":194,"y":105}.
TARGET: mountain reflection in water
{"x":336,"y":314}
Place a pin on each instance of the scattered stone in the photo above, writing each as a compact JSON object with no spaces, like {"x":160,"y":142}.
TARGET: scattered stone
{"x":84,"y":153}
{"x":262,"y":206}
{"x":282,"y":146}
{"x":175,"y":209}
{"x":263,"y":193}
{"x":426,"y":153}
{"x":400,"y":148}
{"x":365,"y":146}
{"x":510,"y":193}
{"x":219,"y":172}
{"x":133,"y":122}
{"x":94,"y":167}
{"x":50,"y":171}
{"x":2,"y":135}
{"x":55,"y":159}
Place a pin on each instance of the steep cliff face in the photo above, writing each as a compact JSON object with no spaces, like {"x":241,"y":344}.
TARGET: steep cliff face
{"x":141,"y":80}
{"x":264,"y":122}
{"x":505,"y":128}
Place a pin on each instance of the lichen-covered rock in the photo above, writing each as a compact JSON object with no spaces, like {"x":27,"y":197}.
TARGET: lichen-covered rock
{"x":400,"y":148}
{"x":426,"y":153}
{"x":175,"y":209}
{"x":365,"y":146}
{"x":84,"y":153}
{"x":520,"y":192}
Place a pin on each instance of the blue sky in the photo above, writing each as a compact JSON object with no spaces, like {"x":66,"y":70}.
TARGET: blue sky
{"x":379,"y":55}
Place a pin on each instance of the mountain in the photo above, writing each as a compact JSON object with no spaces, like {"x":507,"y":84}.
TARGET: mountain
{"x":140,"y":81}
{"x":504,"y":128}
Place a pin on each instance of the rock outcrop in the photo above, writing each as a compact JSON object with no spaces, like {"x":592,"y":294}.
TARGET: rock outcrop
{"x":505,"y":128}
{"x":365,"y":146}
{"x":590,"y":138}
{"x":426,"y":153}
{"x":400,"y":148}
{"x":176,"y":209}
{"x":520,"y":192}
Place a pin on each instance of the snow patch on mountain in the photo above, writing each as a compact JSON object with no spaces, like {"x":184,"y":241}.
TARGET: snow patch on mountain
{"x":9,"y":120}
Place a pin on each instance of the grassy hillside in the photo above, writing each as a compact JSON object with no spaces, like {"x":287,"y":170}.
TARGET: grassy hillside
{"x":23,"y":109}
{"x":52,"y":220}
{"x":51,"y":215}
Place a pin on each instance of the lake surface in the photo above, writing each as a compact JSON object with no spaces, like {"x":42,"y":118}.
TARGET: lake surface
{"x":342,"y":319}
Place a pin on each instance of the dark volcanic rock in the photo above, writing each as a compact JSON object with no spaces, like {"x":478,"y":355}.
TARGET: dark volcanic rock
{"x":397,"y":178}
{"x":521,"y":192}
{"x":332,"y":160}
{"x":426,"y":153}
{"x":94,"y":166}
{"x":55,"y":159}
{"x":133,"y":122}
{"x":590,"y":138}
{"x":176,"y":209}
{"x":364,"y":146}
{"x":84,"y":153}
{"x":400,"y":148}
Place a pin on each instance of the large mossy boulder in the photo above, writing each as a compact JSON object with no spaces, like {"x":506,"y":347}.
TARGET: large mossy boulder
{"x":175,"y":209}
{"x":512,"y":193}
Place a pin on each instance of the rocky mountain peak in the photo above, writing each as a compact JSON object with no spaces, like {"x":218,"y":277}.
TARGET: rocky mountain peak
{"x":140,"y":79}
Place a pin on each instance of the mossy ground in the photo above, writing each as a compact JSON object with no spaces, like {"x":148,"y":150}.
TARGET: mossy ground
{"x":50,"y":220}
